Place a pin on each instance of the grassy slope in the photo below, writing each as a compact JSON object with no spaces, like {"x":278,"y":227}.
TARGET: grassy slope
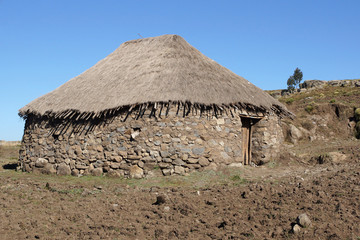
{"x":348,"y":96}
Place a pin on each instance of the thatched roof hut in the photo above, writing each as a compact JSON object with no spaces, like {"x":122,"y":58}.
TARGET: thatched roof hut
{"x":153,"y":70}
{"x":95,"y":124}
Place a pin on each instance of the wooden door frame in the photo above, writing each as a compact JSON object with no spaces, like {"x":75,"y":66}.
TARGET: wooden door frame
{"x":246,"y":129}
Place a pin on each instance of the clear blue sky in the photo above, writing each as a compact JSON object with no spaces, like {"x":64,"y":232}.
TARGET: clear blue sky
{"x":45,"y":43}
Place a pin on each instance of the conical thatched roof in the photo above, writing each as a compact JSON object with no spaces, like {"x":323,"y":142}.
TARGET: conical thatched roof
{"x":152,"y":70}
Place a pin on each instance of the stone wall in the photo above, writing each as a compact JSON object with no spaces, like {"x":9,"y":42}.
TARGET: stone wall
{"x":138,"y":147}
{"x":267,"y":139}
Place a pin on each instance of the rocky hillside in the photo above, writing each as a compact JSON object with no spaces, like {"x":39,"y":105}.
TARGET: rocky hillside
{"x":310,"y":85}
{"x":327,"y":122}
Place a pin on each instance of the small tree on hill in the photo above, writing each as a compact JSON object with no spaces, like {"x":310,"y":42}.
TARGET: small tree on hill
{"x":295,"y":79}
{"x":291,"y":83}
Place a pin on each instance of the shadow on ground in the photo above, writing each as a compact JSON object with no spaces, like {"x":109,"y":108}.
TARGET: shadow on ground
{"x":10,"y":166}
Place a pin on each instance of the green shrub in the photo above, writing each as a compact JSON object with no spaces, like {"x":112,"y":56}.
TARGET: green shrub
{"x":309,"y":108}
{"x":289,"y":101}
{"x":357,"y":130}
{"x":357,"y":114}
{"x":237,"y":179}
{"x":332,"y":100}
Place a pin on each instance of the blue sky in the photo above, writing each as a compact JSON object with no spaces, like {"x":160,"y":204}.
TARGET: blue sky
{"x":43,"y":44}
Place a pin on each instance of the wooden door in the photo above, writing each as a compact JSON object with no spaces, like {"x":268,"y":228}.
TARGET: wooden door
{"x":246,"y":140}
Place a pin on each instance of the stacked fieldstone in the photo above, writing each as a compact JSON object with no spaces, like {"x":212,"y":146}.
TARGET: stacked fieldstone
{"x":134,"y":148}
{"x":267,"y":139}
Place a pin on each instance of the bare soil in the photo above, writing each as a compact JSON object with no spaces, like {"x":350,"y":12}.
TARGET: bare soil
{"x":232,"y":203}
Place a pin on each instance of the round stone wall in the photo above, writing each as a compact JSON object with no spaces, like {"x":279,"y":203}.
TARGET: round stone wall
{"x":137,"y":147}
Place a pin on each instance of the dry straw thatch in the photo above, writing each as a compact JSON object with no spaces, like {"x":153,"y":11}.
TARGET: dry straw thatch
{"x":152,"y":72}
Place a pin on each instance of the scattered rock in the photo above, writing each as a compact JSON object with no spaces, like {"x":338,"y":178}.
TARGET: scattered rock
{"x":160,"y":200}
{"x":303,"y":220}
{"x":295,"y":134}
{"x":238,"y":164}
{"x":134,"y":135}
{"x":337,"y":157}
{"x":296,"y":229}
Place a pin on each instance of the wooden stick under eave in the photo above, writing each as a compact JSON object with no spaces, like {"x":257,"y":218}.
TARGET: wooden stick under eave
{"x":78,"y":117}
{"x":178,"y":109}
{"x":168,"y":108}
{"x":184,"y":110}
{"x":152,"y":111}
{"x":127,"y":115}
{"x":215,"y":110}
{"x":89,"y":116}
{"x":161,"y":107}
{"x":139,"y":112}
{"x":189,"y":110}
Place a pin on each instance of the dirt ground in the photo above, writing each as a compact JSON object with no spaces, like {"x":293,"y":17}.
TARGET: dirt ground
{"x":231,"y":203}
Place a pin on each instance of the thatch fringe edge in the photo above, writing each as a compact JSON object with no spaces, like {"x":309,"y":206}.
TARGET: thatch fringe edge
{"x":157,"y":109}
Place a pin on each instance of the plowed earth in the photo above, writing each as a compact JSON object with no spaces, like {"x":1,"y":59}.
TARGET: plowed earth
{"x":242,"y":203}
